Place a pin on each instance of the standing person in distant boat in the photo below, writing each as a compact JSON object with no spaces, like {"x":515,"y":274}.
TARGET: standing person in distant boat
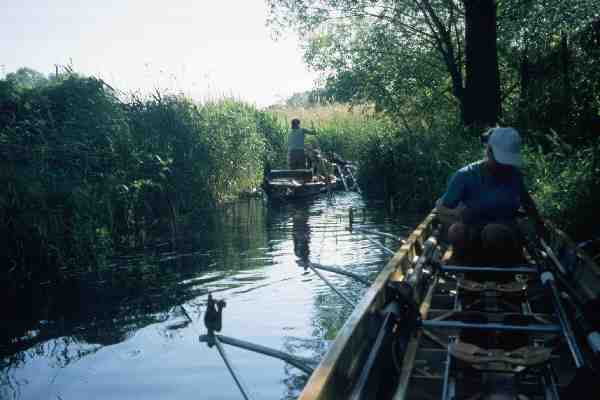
{"x":296,"y":157}
{"x":483,"y":198}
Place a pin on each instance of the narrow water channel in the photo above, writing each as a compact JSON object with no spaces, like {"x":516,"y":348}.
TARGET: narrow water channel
{"x":125,"y":334}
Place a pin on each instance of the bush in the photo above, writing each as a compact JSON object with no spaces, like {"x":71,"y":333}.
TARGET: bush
{"x":86,"y":173}
{"x":566,"y":186}
{"x":59,"y":143}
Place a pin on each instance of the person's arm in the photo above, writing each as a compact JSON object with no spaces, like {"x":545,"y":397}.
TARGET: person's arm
{"x":450,"y":204}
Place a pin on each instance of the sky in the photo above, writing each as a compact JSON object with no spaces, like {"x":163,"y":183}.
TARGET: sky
{"x":203,"y":48}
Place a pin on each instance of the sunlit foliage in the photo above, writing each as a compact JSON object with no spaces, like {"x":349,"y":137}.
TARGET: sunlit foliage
{"x":86,"y":172}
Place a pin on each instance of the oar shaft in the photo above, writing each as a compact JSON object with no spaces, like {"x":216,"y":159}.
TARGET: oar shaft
{"x":552,"y":256}
{"x":186,"y":313}
{"x":342,"y":295}
{"x":446,"y":388}
{"x":548,"y":280}
{"x":378,"y":233}
{"x":359,"y":278}
{"x":237,"y":380}
{"x":298,"y":362}
{"x":385,"y":249}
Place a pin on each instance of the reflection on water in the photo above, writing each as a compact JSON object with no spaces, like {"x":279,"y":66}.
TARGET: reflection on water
{"x":132,"y":331}
{"x":301,"y":232}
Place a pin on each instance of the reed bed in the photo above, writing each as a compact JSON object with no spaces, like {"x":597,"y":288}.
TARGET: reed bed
{"x":87,"y":173}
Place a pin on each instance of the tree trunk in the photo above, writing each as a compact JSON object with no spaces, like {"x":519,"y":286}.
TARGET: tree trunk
{"x":566,"y":85}
{"x":524,"y":96}
{"x":482,"y":84}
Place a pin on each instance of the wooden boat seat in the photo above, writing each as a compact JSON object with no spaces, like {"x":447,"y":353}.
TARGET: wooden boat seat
{"x":498,"y":359}
{"x":300,"y":174}
{"x":512,"y":287}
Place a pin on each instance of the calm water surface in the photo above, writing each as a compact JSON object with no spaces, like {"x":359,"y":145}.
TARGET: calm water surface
{"x":125,"y":334}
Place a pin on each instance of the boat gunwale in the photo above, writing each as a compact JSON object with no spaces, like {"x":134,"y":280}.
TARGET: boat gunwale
{"x":319,"y":384}
{"x":326,"y":370}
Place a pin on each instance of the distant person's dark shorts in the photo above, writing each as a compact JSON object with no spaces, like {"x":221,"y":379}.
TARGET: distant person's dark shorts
{"x":296,"y":159}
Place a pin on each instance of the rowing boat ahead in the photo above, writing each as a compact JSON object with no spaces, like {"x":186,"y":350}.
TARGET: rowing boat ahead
{"x":428,"y":328}
{"x":327,"y":174}
{"x":294,"y":184}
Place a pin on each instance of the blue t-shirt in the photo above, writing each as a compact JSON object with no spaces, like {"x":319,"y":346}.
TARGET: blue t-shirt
{"x":296,"y":138}
{"x":487,"y":198}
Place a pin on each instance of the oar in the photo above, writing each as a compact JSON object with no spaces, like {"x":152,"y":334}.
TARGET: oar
{"x":586,"y":376}
{"x":213,"y":320}
{"x":547,"y":278}
{"x":304,"y":364}
{"x":552,"y":256}
{"x":335,"y":270}
{"x":232,"y":371}
{"x":593,"y":336}
{"x":376,"y":243}
{"x":331,"y":285}
{"x":379,"y":233}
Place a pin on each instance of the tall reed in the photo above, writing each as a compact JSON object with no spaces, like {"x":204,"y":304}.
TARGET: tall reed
{"x":86,"y":173}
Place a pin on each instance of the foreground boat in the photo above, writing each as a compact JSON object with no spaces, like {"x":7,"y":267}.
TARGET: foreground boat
{"x":430,"y":329}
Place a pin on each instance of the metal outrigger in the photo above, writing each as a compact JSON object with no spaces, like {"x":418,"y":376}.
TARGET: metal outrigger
{"x":304,"y":364}
{"x":213,"y":322}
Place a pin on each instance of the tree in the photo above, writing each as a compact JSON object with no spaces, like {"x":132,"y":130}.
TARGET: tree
{"x":425,"y":33}
{"x":549,"y":56}
{"x":482,"y":88}
{"x":405,"y":81}
{"x":27,"y":78}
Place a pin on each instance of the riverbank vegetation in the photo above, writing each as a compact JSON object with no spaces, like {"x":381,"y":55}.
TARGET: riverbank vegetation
{"x":86,"y":173}
{"x":409,"y":167}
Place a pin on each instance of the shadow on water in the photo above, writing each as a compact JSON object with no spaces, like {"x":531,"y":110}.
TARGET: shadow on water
{"x":89,"y":335}
{"x":135,"y":290}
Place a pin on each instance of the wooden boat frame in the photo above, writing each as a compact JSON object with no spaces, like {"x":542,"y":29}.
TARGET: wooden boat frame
{"x":342,"y":364}
{"x":339,"y":367}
